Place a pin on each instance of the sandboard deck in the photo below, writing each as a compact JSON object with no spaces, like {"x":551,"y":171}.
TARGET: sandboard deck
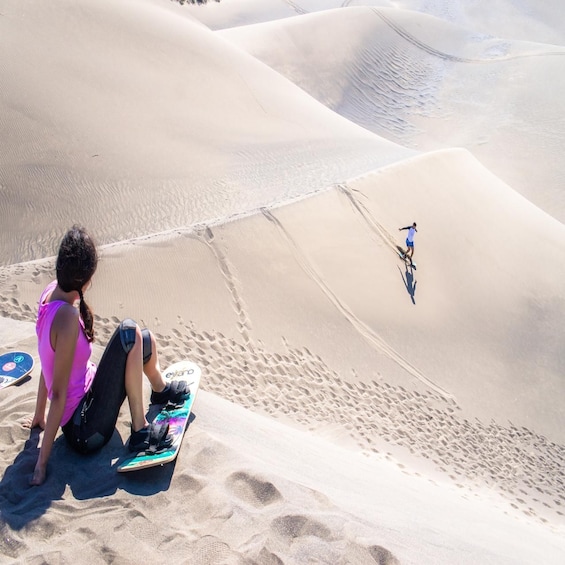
{"x":14,"y":367}
{"x":406,"y":260}
{"x":177,"y":419}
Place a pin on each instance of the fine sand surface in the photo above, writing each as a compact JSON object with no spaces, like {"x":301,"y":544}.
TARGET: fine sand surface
{"x":246,"y":186}
{"x":529,"y":20}
{"x":143,"y":102}
{"x":426,"y":83}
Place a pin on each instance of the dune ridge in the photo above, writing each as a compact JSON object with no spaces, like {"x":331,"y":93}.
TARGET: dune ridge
{"x":428,"y":422}
{"x":246,"y":187}
{"x":411,"y":83}
{"x":249,"y":139}
{"x":529,"y":20}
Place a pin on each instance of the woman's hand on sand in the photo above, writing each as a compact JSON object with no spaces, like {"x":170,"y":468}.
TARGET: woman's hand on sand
{"x":34,"y":422}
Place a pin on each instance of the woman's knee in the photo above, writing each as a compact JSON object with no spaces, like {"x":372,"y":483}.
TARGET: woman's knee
{"x":133,"y":337}
{"x":130,"y":335}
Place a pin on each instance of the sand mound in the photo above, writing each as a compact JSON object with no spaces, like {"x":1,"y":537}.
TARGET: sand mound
{"x":312,"y":298}
{"x":527,"y":20}
{"x":353,"y":409}
{"x":195,"y":130}
{"x":425,"y":83}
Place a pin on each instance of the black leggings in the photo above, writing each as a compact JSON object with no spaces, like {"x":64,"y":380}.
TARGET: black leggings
{"x":93,"y":422}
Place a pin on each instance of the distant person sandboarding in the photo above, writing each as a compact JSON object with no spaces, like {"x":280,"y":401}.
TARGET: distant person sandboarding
{"x":409,"y":253}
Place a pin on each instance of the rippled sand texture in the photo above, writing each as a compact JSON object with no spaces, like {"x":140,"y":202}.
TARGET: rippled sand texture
{"x":194,"y":131}
{"x":426,"y":83}
{"x":245,"y":167}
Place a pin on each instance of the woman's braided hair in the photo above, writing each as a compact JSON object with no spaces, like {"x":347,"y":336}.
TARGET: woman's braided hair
{"x":76,"y":264}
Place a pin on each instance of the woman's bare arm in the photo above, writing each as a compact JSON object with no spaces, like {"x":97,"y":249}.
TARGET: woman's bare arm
{"x":65,"y":332}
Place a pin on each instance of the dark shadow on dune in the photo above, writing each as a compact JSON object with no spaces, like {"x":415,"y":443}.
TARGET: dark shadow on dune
{"x":19,"y":502}
{"x":146,"y":482}
{"x":409,"y":282}
{"x":87,"y":476}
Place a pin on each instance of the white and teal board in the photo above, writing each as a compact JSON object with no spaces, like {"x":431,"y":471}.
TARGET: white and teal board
{"x":177,"y":419}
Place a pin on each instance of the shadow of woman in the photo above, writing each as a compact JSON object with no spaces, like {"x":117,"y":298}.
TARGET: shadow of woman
{"x":20,"y":503}
{"x":409,"y":282}
{"x":88,"y":477}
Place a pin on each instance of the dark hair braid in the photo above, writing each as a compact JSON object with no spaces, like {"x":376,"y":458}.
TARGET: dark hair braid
{"x":76,"y":264}
{"x":87,"y":318}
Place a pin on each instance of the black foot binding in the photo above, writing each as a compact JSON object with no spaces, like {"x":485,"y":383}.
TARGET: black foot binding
{"x":176,"y":392}
{"x":152,"y":439}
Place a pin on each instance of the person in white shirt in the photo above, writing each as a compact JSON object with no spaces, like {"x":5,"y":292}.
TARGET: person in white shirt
{"x":409,"y":240}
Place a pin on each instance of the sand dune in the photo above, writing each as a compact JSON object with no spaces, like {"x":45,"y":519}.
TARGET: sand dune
{"x":305,"y":313}
{"x":424,"y":83}
{"x":353,"y":410}
{"x":527,"y":20}
{"x":194,"y":131}
{"x":278,"y":507}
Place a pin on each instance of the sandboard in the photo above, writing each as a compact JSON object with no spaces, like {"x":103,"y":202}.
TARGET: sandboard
{"x":177,"y":418}
{"x":405,"y":259}
{"x":14,"y":367}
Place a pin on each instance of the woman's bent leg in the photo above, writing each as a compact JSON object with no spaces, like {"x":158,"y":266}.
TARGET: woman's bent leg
{"x":94,"y":421}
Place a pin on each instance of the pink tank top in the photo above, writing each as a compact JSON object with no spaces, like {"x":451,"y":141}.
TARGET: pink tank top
{"x":83,"y":370}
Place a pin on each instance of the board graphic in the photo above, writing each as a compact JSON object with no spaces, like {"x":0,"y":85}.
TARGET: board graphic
{"x":14,"y":367}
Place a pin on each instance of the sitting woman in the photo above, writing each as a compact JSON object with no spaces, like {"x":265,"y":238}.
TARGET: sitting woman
{"x":85,"y":400}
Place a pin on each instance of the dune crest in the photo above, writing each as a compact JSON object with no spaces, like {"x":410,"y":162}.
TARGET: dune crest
{"x":247,"y":186}
{"x":195,"y":131}
{"x":428,"y":84}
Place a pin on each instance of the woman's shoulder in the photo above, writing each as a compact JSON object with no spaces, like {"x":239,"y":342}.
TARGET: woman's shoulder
{"x":66,"y":320}
{"x":67,"y":312}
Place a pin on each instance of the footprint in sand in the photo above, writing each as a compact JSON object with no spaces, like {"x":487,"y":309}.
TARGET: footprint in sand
{"x":188,"y":484}
{"x":295,"y":526}
{"x":253,"y":490}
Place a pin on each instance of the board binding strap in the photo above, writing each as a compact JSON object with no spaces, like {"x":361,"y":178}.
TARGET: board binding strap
{"x":175,"y":416}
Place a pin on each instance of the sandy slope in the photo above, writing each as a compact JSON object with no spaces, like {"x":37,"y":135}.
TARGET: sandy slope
{"x":425,"y":83}
{"x":305,"y":313}
{"x":298,"y":496}
{"x":354,"y":410}
{"x":528,"y":20}
{"x":151,"y":120}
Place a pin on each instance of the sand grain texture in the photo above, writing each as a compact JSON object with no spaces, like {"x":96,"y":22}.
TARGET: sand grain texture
{"x":245,"y":167}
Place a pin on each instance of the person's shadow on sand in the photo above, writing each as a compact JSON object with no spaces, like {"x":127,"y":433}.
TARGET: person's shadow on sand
{"x":88,"y":477}
{"x":409,"y":282}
